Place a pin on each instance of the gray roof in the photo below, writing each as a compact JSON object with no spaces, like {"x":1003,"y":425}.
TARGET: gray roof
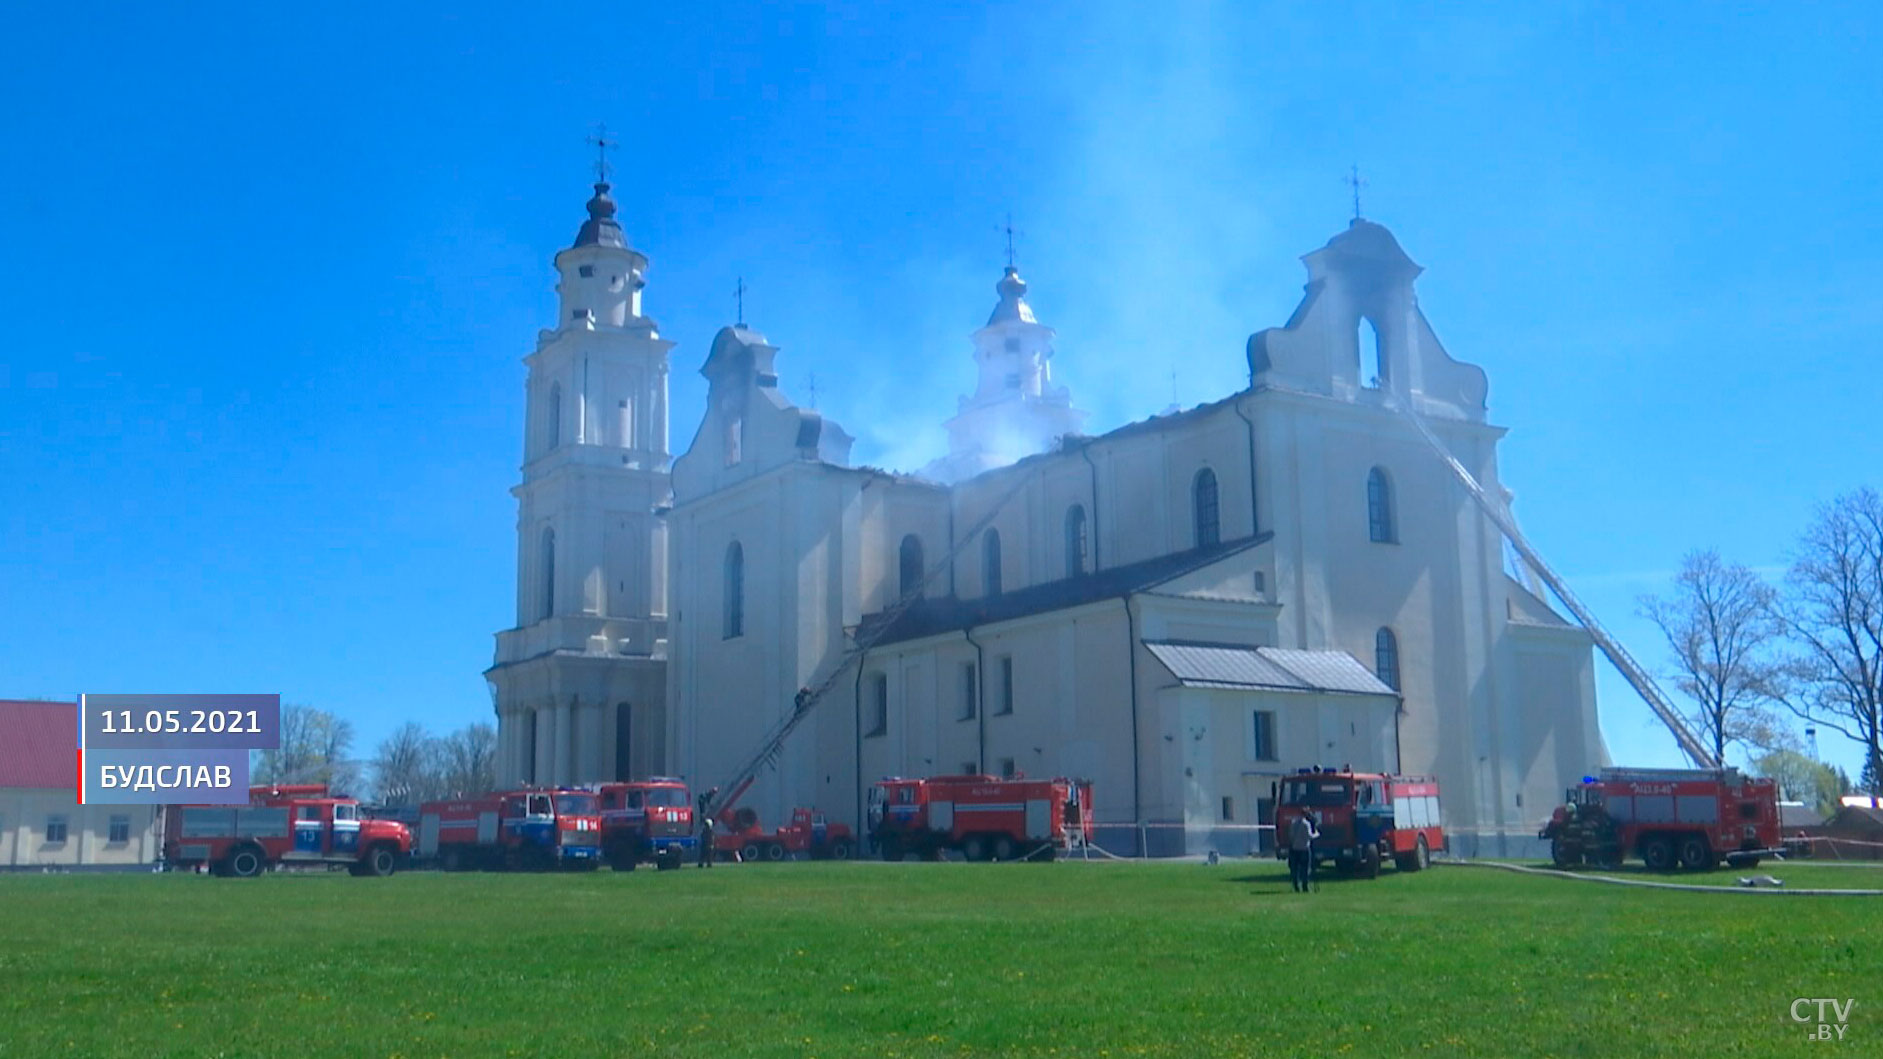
{"x":1208,"y":665}
{"x":1012,"y":304}
{"x":929,"y":617}
{"x":601,"y":229}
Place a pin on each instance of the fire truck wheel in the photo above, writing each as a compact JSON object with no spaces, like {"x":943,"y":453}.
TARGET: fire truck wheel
{"x":774,"y":851}
{"x":750,"y":853}
{"x":841,"y":850}
{"x":891,"y":850}
{"x":451,"y":861}
{"x":1370,"y":862}
{"x":382,"y":861}
{"x":1421,"y":855}
{"x":1658,"y":853}
{"x":245,"y":862}
{"x":974,"y":848}
{"x":1695,"y":854}
{"x":1003,"y":848}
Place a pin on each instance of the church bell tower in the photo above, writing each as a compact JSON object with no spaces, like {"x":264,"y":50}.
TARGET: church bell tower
{"x":579,"y":681}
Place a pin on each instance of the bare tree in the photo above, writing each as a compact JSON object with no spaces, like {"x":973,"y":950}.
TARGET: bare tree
{"x":1832,"y":612}
{"x":405,"y":767}
{"x":468,"y":760}
{"x":1721,"y":629}
{"x":314,"y":747}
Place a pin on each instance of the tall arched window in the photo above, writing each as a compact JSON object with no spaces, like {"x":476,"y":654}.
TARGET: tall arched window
{"x":910,"y":566}
{"x":735,"y":590}
{"x":1075,"y":540}
{"x":990,"y":562}
{"x":1372,"y":355}
{"x":1386,"y":657}
{"x":1379,"y":507}
{"x":549,"y":572}
{"x":555,"y":415}
{"x":1209,"y":529}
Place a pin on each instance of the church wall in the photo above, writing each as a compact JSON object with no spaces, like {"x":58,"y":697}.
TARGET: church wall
{"x":1207,"y":746}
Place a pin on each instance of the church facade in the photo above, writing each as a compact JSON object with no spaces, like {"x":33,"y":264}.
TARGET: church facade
{"x":1182,"y":610}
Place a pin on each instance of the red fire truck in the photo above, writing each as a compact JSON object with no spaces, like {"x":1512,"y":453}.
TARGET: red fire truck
{"x":1689,"y":818}
{"x":648,"y":820}
{"x":984,"y":817}
{"x":809,"y":833}
{"x":529,"y":829}
{"x":281,"y":825}
{"x":1363,"y":818}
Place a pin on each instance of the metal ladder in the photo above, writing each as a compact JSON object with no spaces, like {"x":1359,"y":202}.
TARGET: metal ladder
{"x":1632,"y":671}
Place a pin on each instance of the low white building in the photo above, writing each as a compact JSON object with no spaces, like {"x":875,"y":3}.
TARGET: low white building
{"x":41,"y":823}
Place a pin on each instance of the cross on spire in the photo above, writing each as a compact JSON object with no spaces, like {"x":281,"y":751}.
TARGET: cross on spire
{"x":738,"y":294}
{"x":1008,"y":228}
{"x":813,"y":386}
{"x":601,"y":142}
{"x":1353,"y":180}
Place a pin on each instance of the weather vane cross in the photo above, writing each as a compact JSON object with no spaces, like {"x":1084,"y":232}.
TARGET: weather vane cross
{"x":738,"y":294}
{"x":602,"y":143}
{"x":1008,"y":228}
{"x":813,"y":385}
{"x":1353,"y":180}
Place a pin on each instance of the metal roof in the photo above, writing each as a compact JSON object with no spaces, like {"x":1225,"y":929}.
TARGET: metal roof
{"x":929,"y":617}
{"x":1206,"y":665}
{"x":39,"y":745}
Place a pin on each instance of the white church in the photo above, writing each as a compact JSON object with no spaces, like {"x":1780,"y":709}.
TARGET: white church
{"x":1182,"y":610}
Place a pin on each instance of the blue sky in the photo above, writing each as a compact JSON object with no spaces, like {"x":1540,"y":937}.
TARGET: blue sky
{"x":270,"y":275}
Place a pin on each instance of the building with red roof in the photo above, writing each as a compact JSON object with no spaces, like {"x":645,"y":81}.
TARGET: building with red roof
{"x":41,"y":823}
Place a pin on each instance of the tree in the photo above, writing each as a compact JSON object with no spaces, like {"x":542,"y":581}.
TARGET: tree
{"x":468,"y":760}
{"x":405,"y":767}
{"x":1832,"y":612}
{"x":1720,"y":627}
{"x":1801,"y":779}
{"x":314,"y":747}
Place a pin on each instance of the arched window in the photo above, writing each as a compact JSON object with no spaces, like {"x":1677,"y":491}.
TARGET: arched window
{"x":1372,"y":355}
{"x":1379,"y":507}
{"x":1075,"y":540}
{"x":1209,"y":529}
{"x":990,"y":562}
{"x":549,"y":572}
{"x":911,"y":567}
{"x":555,"y":415}
{"x":1386,"y":658}
{"x":735,"y":590}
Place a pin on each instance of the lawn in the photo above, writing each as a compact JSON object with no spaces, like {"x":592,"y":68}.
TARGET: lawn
{"x":1069,"y":959}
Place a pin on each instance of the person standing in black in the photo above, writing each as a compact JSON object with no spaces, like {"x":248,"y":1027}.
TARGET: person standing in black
{"x":706,"y":828}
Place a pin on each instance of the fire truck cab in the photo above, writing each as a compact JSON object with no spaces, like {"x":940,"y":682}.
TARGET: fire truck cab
{"x":1363,"y":818}
{"x":646,"y":820}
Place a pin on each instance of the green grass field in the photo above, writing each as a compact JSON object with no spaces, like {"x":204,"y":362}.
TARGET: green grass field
{"x":1070,"y":959}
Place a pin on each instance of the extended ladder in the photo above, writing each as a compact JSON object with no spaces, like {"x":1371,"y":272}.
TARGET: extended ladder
{"x":1631,"y":670}
{"x":807,"y":699}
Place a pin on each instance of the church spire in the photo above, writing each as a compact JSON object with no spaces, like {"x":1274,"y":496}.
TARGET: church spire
{"x":1012,"y":304}
{"x":601,"y":229}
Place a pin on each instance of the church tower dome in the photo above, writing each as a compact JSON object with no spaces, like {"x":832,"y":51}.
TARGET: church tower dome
{"x":1015,"y":410}
{"x":602,"y":275}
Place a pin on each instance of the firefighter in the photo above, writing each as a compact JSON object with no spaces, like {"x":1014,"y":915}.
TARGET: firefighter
{"x":1301,"y":836}
{"x":706,"y":829}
